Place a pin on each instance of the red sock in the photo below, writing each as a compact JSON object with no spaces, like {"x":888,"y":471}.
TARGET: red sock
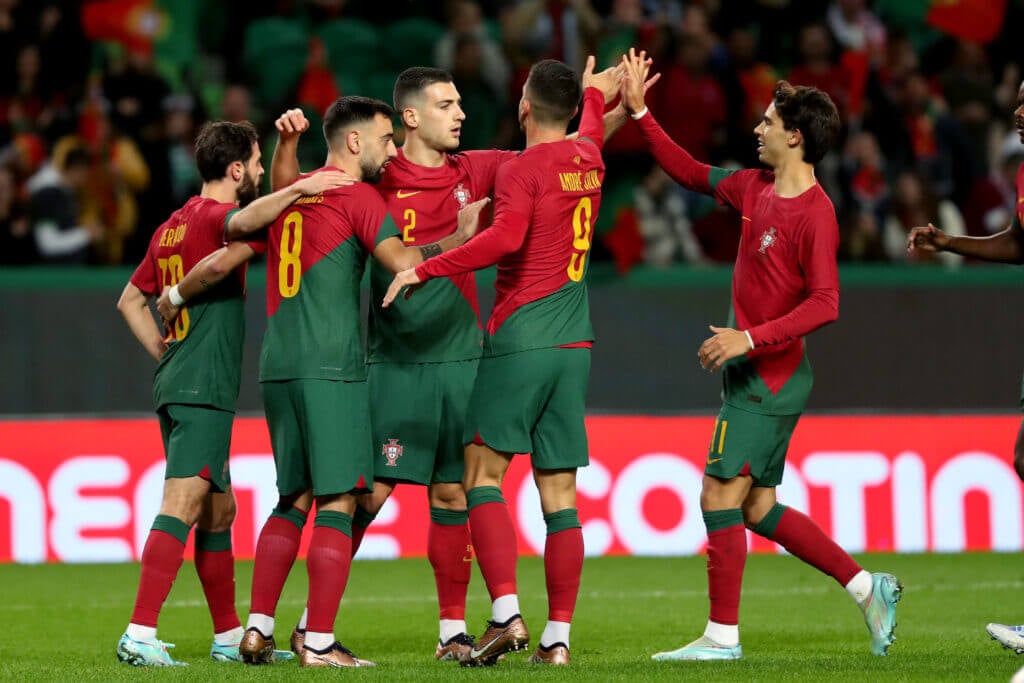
{"x":161,"y":559}
{"x":451,"y":556}
{"x":727,"y":555}
{"x":216,"y":570}
{"x":797,"y":533}
{"x":275,"y":554}
{"x":494,"y":538}
{"x":563,"y":564}
{"x":357,"y":537}
{"x":328,"y":563}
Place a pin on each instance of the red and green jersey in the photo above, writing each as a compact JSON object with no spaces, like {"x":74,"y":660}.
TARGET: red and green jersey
{"x":316,"y":255}
{"x":546,"y":203}
{"x":442,"y":322}
{"x":786,"y":281}
{"x":203,"y":362}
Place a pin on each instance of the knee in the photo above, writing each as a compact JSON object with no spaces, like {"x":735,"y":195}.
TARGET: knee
{"x":448,"y":496}
{"x":222,"y":515}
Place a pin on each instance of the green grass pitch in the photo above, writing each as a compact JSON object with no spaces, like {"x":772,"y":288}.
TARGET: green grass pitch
{"x":61,"y":622}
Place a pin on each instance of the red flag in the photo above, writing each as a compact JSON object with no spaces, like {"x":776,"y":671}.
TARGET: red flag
{"x":978,"y":21}
{"x":133,"y":23}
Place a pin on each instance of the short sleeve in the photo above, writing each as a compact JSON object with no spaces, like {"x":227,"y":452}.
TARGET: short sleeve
{"x":371,"y":222}
{"x":145,"y":276}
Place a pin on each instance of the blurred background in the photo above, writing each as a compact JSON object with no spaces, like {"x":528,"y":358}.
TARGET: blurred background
{"x":915,"y":405}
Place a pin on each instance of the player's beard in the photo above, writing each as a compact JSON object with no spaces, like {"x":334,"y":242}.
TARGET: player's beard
{"x":247,"y":190}
{"x":372,"y":172}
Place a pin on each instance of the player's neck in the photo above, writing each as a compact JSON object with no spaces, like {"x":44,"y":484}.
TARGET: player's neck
{"x":220,"y":191}
{"x":347,"y":164}
{"x":793,"y":177}
{"x":537,"y":134}
{"x":422,"y":154}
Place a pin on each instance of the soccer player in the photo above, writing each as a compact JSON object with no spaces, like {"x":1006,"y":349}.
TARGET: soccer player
{"x":196,"y":385}
{"x":313,"y":376}
{"x":1003,"y":247}
{"x":785,"y":285}
{"x":529,"y":392}
{"x":423,"y":353}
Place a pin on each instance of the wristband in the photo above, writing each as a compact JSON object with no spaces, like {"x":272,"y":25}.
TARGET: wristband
{"x":749,"y":339}
{"x":640,"y":114}
{"x":175,"y":296}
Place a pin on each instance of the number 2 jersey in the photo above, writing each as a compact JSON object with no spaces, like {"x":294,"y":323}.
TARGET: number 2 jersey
{"x":786,"y":280}
{"x":442,"y":321}
{"x":546,"y":202}
{"x":316,"y":256}
{"x":203,"y":361}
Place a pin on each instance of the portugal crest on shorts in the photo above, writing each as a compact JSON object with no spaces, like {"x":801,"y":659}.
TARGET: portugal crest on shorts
{"x":768,"y":238}
{"x":461,"y":196}
{"x":392,"y":450}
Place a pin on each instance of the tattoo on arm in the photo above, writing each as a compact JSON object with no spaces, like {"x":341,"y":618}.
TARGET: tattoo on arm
{"x":204,"y":283}
{"x":430,"y":250}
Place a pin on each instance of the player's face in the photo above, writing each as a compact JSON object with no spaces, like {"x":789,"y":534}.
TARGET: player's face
{"x":249,"y":187}
{"x":1018,"y":113}
{"x":377,"y":148}
{"x":772,"y":138}
{"x":440,"y":117}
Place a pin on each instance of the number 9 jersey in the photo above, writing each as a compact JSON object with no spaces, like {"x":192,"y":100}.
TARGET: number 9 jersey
{"x":203,"y":362}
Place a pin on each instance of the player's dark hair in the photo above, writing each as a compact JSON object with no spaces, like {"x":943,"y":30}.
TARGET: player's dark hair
{"x":220,"y":144}
{"x":554,"y":91}
{"x":811,"y":112}
{"x":349,"y":110}
{"x":414,"y":80}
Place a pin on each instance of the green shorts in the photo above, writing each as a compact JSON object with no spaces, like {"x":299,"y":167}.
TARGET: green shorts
{"x":197,"y":439}
{"x":750,"y":443}
{"x":418,"y":411}
{"x":320,"y":433}
{"x":533,"y":402}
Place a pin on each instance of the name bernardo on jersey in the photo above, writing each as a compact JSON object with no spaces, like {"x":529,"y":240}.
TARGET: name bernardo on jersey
{"x":173,"y":236}
{"x":578,"y":181}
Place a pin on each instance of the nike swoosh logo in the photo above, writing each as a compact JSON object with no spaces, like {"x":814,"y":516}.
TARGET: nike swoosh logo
{"x":474,"y":653}
{"x":401,"y":194}
{"x":713,"y":461}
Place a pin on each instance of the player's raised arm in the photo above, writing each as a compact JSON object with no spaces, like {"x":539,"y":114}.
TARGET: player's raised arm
{"x":134,"y":306}
{"x":676,"y":161}
{"x":264,"y":210}
{"x":214,"y":267}
{"x":1006,"y":246}
{"x":284,"y":165}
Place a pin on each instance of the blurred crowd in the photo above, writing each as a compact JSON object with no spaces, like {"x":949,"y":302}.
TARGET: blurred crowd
{"x":100,"y":101}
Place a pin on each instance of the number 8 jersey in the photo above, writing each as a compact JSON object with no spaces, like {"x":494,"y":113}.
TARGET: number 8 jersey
{"x":316,"y":255}
{"x":203,"y":362}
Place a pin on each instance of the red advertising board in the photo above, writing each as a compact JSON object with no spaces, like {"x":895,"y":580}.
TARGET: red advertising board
{"x":87,"y":490}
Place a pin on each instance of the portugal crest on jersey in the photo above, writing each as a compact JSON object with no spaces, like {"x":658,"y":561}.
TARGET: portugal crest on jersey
{"x":392,"y":450}
{"x":461,"y":196}
{"x":768,"y":238}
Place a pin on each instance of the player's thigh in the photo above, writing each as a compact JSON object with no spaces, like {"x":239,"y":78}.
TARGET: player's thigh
{"x":405,"y":412}
{"x":506,"y":400}
{"x":750,"y":443}
{"x":283,"y":409}
{"x":455,"y":380}
{"x":336,"y":419}
{"x":197,"y":440}
{"x":560,"y":435}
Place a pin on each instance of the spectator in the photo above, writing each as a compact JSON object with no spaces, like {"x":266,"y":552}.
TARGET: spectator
{"x":483,"y":117}
{"x":817,"y":67}
{"x":664,"y":225}
{"x":465,"y":18}
{"x":181,"y":124}
{"x":690,"y":100}
{"x":16,"y":244}
{"x":55,"y":195}
{"x":992,"y":201}
{"x":857,"y":29}
{"x":236,"y":103}
{"x":914,"y":204}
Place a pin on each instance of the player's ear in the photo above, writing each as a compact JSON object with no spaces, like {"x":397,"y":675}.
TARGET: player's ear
{"x":410,"y":118}
{"x":352,"y":141}
{"x":236,"y":170}
{"x":794,"y":137}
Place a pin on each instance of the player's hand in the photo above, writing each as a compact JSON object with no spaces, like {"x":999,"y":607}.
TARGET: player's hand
{"x":469,"y":219}
{"x":607,"y":81}
{"x":290,"y":125}
{"x":927,"y":238}
{"x":635,"y":82}
{"x":168,"y":311}
{"x":725,"y":345}
{"x":322,"y":182}
{"x":406,"y":278}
